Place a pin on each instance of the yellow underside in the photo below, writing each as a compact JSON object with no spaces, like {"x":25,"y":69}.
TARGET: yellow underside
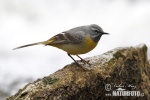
{"x":76,"y":49}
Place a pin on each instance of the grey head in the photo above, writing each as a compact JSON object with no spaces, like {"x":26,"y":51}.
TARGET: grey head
{"x":95,"y":32}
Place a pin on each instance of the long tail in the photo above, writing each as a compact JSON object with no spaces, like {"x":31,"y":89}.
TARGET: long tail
{"x":31,"y":45}
{"x":48,"y":42}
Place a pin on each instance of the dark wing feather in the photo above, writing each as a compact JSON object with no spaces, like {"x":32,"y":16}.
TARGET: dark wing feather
{"x":67,"y":38}
{"x":59,"y":39}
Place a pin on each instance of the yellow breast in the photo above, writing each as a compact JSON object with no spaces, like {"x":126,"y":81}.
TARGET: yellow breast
{"x":90,"y":45}
{"x":81,"y":48}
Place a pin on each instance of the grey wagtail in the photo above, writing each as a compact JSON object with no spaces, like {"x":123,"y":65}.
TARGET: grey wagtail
{"x":78,"y":40}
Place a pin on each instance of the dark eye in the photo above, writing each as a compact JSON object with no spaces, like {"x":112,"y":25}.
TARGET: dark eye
{"x":96,"y":31}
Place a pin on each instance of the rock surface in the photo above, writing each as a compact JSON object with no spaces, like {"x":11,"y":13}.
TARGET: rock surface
{"x":118,"y":70}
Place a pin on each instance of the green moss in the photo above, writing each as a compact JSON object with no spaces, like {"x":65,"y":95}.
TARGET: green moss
{"x":49,"y":80}
{"x":119,"y":54}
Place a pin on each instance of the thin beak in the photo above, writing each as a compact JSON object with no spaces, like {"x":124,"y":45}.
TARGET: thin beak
{"x":106,"y":33}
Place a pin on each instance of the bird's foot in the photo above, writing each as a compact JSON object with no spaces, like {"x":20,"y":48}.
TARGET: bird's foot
{"x":86,"y":62}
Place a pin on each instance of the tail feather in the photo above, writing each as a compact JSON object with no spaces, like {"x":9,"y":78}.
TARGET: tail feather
{"x":48,"y":42}
{"x":29,"y":45}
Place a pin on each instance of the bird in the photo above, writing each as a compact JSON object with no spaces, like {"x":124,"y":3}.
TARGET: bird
{"x":75,"y":41}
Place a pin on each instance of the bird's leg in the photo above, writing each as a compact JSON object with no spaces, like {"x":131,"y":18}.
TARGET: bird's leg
{"x":74,"y":60}
{"x":83,"y":60}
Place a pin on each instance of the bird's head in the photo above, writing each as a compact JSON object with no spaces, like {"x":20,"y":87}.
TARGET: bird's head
{"x":96,"y":32}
